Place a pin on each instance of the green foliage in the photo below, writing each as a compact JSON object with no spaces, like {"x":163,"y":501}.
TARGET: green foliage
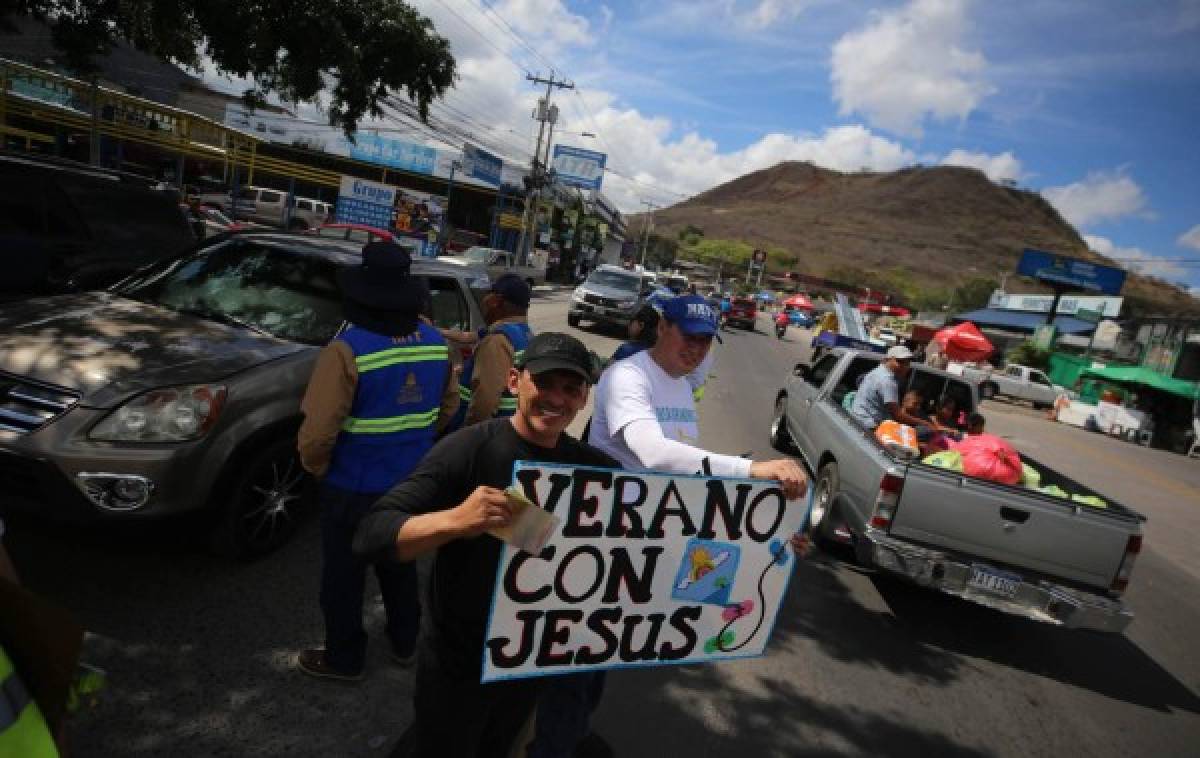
{"x":360,"y":52}
{"x":690,"y":235}
{"x":1026,"y":354}
{"x":974,"y":293}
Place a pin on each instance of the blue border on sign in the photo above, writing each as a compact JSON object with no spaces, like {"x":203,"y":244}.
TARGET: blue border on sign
{"x":505,"y":548}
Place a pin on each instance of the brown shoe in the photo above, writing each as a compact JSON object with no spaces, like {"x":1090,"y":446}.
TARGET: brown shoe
{"x":312,"y":662}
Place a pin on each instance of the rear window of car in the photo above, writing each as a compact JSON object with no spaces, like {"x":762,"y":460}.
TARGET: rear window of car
{"x":304,"y":205}
{"x":270,"y":197}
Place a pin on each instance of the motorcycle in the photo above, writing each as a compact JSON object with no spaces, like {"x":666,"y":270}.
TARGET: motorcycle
{"x":780,"y":329}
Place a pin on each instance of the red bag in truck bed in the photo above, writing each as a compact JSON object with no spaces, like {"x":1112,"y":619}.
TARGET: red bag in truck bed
{"x":986,"y":456}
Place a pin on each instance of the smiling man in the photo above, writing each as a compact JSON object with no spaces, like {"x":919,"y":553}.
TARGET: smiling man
{"x":448,"y":503}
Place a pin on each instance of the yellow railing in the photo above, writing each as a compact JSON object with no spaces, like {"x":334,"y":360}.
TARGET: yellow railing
{"x":51,"y":98}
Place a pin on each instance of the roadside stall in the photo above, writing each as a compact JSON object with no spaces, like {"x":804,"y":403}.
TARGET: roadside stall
{"x":1155,"y":410}
{"x":964,"y":342}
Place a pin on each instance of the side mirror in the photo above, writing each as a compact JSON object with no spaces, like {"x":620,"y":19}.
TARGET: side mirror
{"x":800,"y":371}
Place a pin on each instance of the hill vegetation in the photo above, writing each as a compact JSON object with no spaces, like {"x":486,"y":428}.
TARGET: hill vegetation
{"x":936,"y":237}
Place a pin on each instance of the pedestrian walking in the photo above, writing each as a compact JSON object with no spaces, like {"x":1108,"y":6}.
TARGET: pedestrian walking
{"x":483,"y":383}
{"x":645,"y":418}
{"x":445,"y":506}
{"x":378,"y":394}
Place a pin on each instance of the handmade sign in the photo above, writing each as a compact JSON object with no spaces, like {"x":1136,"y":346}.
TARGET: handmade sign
{"x":640,"y":569}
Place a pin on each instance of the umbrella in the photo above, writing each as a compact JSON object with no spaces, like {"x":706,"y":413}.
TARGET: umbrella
{"x":964,"y":342}
{"x":799,"y":301}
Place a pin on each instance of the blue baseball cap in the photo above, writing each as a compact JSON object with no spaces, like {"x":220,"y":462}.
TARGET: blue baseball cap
{"x":693,"y":315}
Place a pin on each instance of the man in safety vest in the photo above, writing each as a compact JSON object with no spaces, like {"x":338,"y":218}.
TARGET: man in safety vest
{"x":379,"y":393}
{"x":483,"y":384}
{"x":23,"y":730}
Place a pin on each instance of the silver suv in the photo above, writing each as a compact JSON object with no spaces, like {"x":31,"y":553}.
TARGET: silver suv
{"x":609,"y":295}
{"x":178,"y":390}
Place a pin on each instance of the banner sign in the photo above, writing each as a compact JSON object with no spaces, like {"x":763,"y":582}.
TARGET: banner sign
{"x":1071,"y":272}
{"x":363,"y":202}
{"x":395,"y":153}
{"x":482,"y":165}
{"x":641,"y":569}
{"x":1067,"y":304}
{"x":577,"y":167}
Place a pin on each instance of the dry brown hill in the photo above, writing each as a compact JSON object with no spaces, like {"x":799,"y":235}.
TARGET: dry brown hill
{"x":946,"y":224}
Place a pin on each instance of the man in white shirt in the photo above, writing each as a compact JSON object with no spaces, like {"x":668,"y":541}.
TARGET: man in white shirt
{"x":645,"y":414}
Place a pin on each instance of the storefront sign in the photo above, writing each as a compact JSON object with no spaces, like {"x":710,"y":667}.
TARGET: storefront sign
{"x":482,"y":165}
{"x":1071,"y":272}
{"x":640,"y":569}
{"x":577,"y":167}
{"x":363,"y":202}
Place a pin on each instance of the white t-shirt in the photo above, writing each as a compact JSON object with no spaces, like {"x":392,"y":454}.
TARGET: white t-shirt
{"x":637,"y":391}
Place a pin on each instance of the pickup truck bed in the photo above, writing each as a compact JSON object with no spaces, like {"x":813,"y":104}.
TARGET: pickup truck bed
{"x":1008,"y":547}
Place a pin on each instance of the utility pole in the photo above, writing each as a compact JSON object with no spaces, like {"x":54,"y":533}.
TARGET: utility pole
{"x":545,"y":112}
{"x":647,"y":227}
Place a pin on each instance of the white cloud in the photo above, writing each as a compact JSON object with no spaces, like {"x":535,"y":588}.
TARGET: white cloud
{"x":1136,"y":259}
{"x":1101,"y":196}
{"x":910,"y":64}
{"x":1004,"y":166}
{"x":1190,"y":238}
{"x":769,"y":12}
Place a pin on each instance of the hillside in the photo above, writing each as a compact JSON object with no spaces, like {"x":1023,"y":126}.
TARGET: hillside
{"x":944,"y":224}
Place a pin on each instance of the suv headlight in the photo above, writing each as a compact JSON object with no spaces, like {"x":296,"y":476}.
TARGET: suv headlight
{"x":169,"y":414}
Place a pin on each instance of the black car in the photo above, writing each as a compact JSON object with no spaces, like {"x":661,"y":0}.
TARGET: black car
{"x":75,"y":228}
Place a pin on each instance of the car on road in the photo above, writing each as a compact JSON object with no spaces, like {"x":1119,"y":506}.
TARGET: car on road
{"x":743,"y":311}
{"x":178,"y":390}
{"x":1031,"y":552}
{"x":1016,"y":381}
{"x":609,"y":295}
{"x":269,"y":206}
{"x":360,"y":233}
{"x":501,"y":262}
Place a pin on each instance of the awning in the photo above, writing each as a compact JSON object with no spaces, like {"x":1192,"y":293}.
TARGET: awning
{"x":1023,"y":321}
{"x":1147,"y":378}
{"x":963,"y":342}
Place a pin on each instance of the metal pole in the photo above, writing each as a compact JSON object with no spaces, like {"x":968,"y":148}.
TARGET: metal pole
{"x":95,"y":136}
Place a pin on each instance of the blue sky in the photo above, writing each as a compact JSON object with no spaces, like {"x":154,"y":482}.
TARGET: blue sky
{"x":1094,"y":103}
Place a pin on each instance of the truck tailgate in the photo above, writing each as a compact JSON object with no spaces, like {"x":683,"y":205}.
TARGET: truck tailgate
{"x":946,"y":510}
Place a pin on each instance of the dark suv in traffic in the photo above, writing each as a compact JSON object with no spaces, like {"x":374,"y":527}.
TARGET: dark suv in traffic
{"x":178,"y":390}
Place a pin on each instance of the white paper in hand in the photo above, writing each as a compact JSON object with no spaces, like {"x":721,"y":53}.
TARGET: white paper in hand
{"x":530,"y":528}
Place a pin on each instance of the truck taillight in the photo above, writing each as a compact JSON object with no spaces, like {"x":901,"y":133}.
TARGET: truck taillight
{"x":1132,"y":548}
{"x":887,"y":499}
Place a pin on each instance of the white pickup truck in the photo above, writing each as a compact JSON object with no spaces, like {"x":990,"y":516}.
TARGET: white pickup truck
{"x":1023,"y":551}
{"x":1021,"y":382}
{"x":500,"y":262}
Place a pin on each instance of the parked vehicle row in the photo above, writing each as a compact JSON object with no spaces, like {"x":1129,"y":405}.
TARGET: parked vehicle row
{"x":268,"y":206}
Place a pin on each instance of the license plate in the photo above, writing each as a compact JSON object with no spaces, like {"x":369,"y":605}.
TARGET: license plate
{"x":990,"y":580}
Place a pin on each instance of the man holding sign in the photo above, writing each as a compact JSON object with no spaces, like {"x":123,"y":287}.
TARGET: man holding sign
{"x":453,"y":497}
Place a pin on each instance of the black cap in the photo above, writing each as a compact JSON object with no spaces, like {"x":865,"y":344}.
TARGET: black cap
{"x":382,"y":279}
{"x":555,"y":351}
{"x":513,"y":288}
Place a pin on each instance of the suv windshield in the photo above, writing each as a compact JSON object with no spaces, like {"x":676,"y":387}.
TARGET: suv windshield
{"x":615,"y":280}
{"x":263,"y":288}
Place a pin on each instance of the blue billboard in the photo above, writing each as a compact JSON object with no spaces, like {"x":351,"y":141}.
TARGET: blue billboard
{"x":577,"y":167}
{"x":1071,"y":272}
{"x":482,"y":165}
{"x":395,"y":153}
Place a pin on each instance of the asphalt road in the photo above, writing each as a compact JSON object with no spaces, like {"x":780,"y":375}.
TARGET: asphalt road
{"x":199,"y":650}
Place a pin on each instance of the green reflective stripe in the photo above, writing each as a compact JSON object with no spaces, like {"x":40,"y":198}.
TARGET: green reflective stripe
{"x":465,"y":393}
{"x":395,"y":355}
{"x":517,"y":356}
{"x":507,"y":404}
{"x":390,"y":423}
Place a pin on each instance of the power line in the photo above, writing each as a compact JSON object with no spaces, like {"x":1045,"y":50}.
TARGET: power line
{"x":481,"y":35}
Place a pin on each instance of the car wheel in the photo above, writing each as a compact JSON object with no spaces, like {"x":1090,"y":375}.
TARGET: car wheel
{"x":573,"y":319}
{"x":826,"y":489}
{"x":267,"y":497}
{"x":987,"y":390}
{"x":781,"y":437}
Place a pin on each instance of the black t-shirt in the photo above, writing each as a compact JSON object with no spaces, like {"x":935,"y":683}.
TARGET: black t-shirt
{"x":464,"y":570}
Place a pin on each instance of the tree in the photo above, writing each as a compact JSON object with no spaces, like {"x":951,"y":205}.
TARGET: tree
{"x":360,"y":52}
{"x":974,"y":293}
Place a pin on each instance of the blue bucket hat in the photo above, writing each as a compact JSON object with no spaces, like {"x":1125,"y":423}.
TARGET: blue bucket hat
{"x":694,"y":315}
